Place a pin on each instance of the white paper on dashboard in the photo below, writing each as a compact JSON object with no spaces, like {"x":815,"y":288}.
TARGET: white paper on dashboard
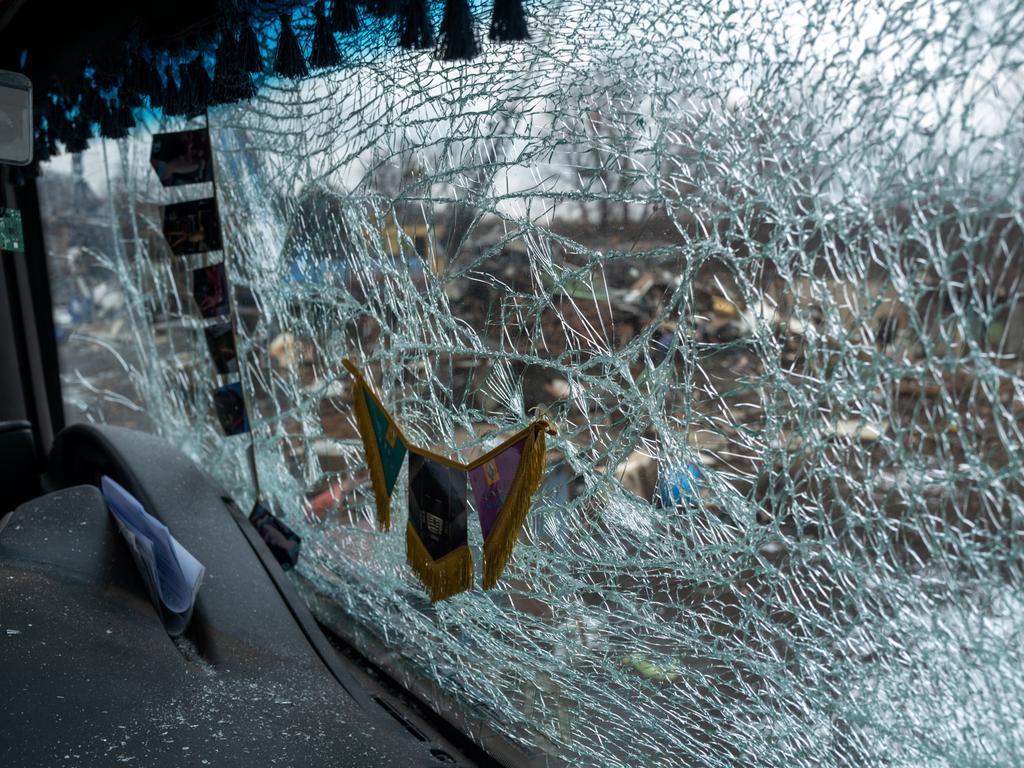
{"x":172,"y":575}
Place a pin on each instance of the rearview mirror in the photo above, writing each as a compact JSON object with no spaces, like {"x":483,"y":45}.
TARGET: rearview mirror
{"x":15,"y":119}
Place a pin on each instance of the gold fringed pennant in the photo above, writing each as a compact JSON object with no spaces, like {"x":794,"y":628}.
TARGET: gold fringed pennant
{"x":504,"y":481}
{"x":437,"y":548}
{"x":383,"y":443}
{"x":442,"y":578}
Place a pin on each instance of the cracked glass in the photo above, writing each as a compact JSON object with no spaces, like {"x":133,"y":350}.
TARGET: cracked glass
{"x":759,"y":263}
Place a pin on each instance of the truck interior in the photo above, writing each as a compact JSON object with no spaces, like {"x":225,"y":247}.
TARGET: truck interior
{"x":525,"y":383}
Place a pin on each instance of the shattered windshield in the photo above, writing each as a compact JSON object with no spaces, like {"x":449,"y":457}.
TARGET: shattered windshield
{"x":760,"y":266}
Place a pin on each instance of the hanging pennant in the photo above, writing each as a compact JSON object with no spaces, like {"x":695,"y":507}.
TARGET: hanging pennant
{"x":437,"y":548}
{"x":504,"y":481}
{"x":383,"y":443}
{"x":192,"y":226}
{"x":183,"y":157}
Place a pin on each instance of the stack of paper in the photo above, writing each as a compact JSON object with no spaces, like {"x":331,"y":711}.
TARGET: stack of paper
{"x":172,"y":575}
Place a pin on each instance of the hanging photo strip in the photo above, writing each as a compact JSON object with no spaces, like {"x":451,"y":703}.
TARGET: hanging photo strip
{"x":210,"y":291}
{"x":229,"y":404}
{"x":503,"y":482}
{"x":182,"y":158}
{"x":192,"y":226}
{"x":220,"y":340}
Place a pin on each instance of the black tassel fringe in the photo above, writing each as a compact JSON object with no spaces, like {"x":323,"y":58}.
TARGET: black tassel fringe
{"x":415,"y":30}
{"x":249,"y":57}
{"x":81,"y":132}
{"x":129,"y":96}
{"x":42,"y":146}
{"x":125,"y":118}
{"x":91,"y":105}
{"x":288,"y":61}
{"x":225,"y":69}
{"x":105,"y":73}
{"x":135,"y":75}
{"x":231,"y":81}
{"x":57,"y":121}
{"x":344,"y":17}
{"x":382,"y":9}
{"x":508,"y":22}
{"x":325,"y":50}
{"x":457,"y":38}
{"x":185,"y":99}
{"x":199,"y":83}
{"x":172,"y":96}
{"x":110,"y":127}
{"x":145,"y":79}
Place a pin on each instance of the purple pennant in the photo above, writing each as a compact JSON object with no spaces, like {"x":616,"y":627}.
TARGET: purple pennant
{"x":491,"y":482}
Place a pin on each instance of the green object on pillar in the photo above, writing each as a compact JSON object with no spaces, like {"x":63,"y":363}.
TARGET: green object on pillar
{"x":11,"y":238}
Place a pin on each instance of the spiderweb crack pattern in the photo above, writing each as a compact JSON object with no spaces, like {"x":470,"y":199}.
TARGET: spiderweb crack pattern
{"x":761,"y":264}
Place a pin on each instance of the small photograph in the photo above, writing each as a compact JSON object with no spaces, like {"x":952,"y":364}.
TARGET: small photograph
{"x":192,"y":226}
{"x":220,"y":339}
{"x":230,"y":406}
{"x":182,"y":158}
{"x":210,"y":290}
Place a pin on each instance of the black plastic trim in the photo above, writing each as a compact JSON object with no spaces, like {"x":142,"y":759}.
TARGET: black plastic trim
{"x":38,"y":273}
{"x":299,"y":610}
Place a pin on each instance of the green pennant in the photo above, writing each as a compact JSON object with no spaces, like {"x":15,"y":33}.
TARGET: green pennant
{"x":389,"y":442}
{"x":383,"y":444}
